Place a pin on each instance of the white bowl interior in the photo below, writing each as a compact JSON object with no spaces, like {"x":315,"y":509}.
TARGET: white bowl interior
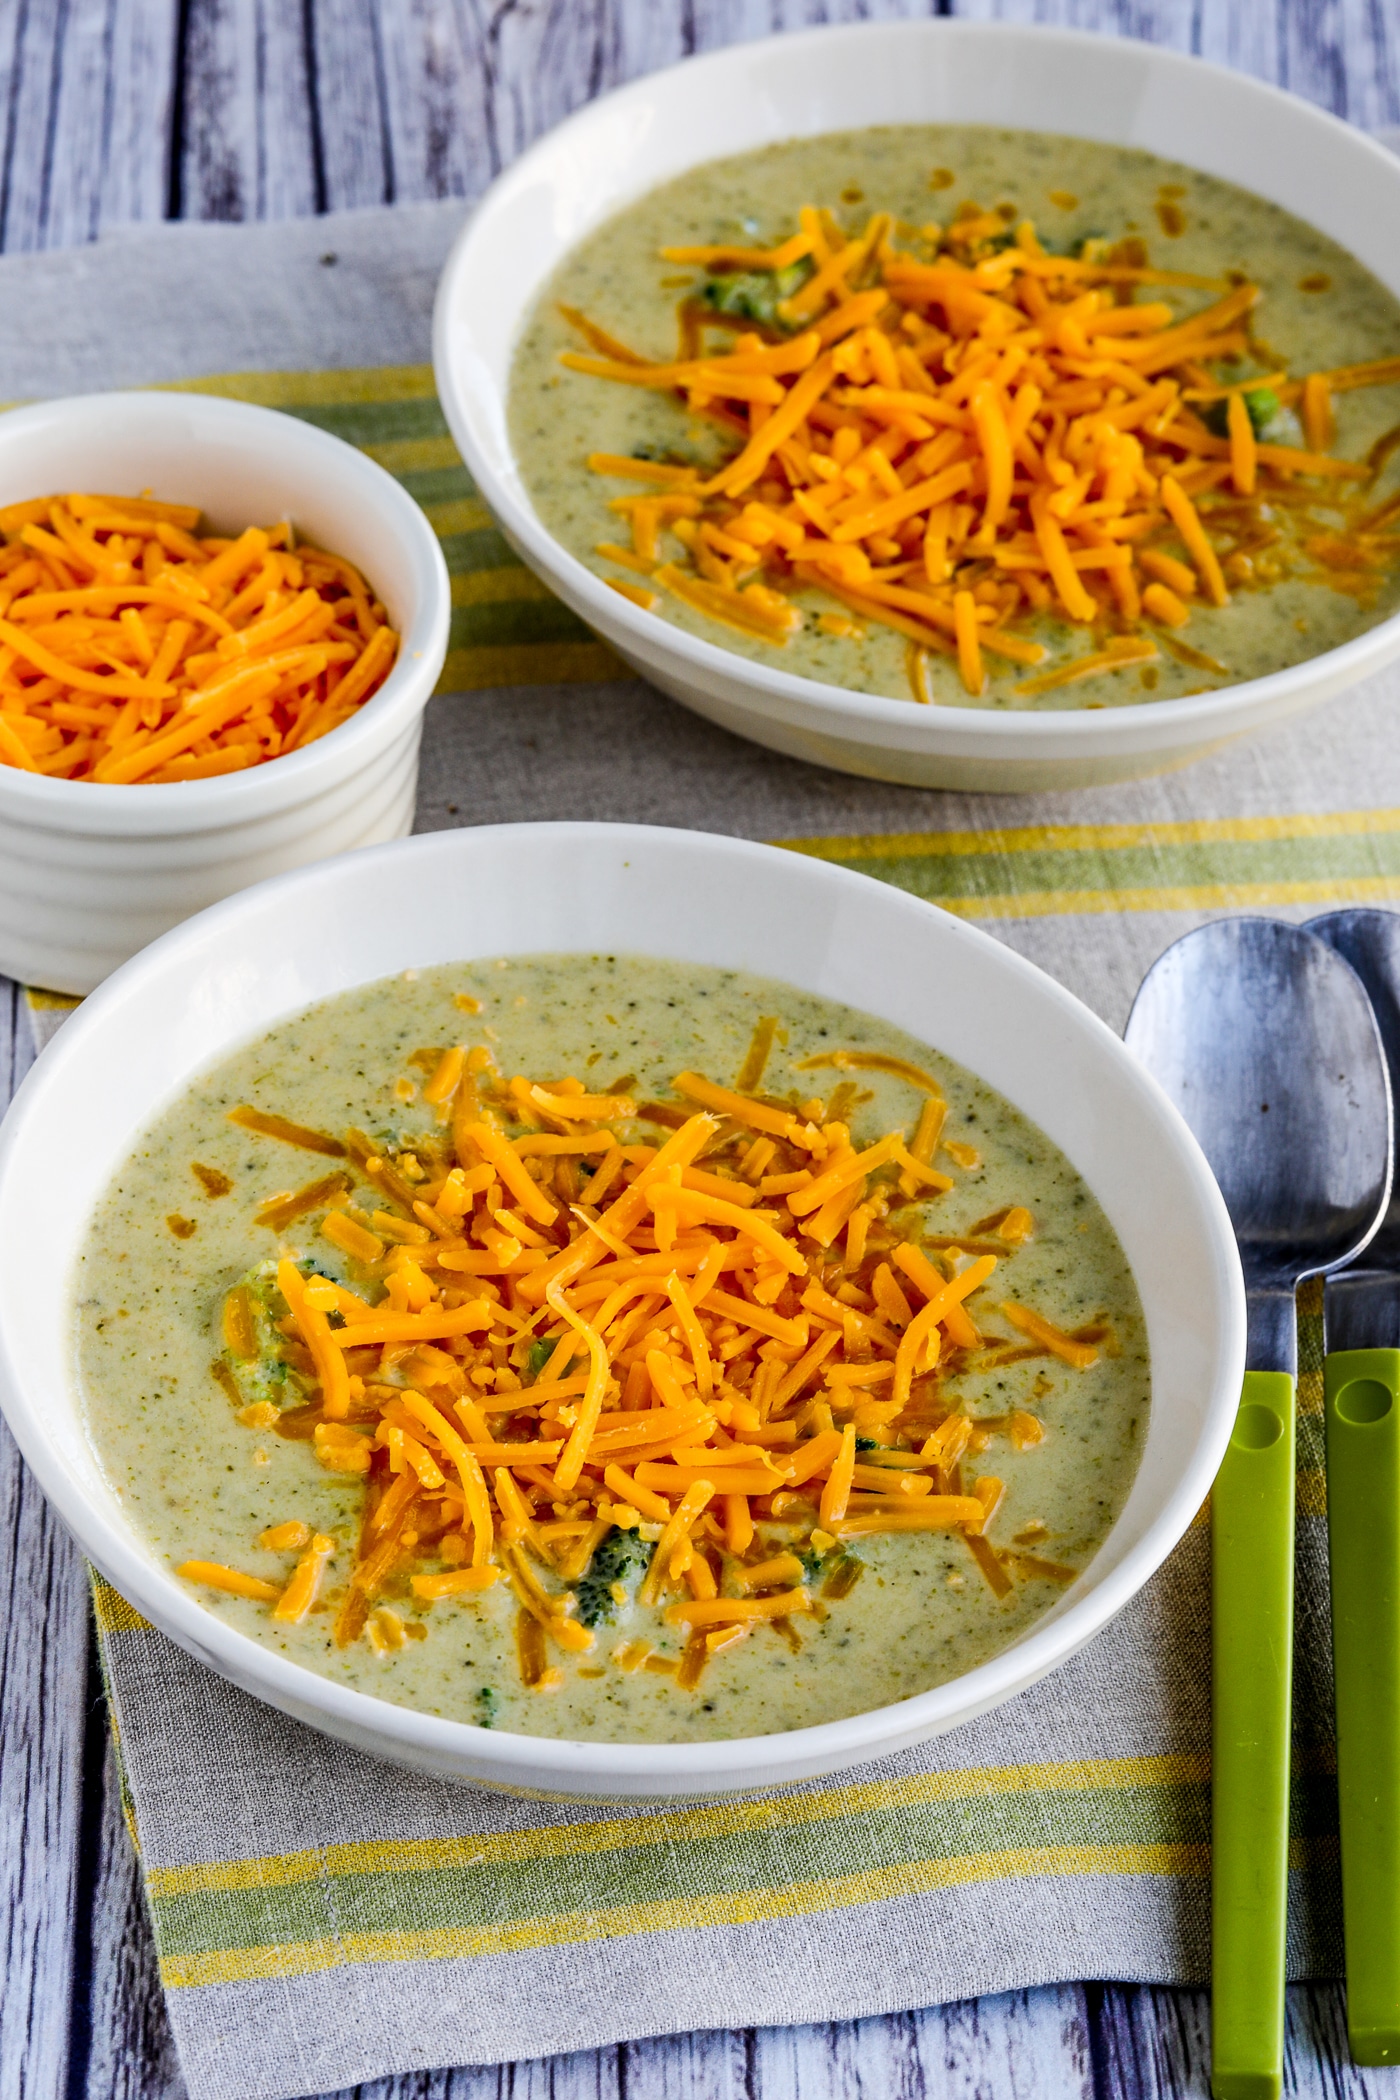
{"x":244,"y":964}
{"x":242,"y":466}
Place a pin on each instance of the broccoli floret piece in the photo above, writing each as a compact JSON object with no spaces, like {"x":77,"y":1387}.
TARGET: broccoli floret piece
{"x":1262,"y":403}
{"x":536,"y":1357}
{"x":621,"y":1559}
{"x":486,"y":1707}
{"x":867,"y":1443}
{"x":755,"y":295}
{"x":266,"y":1374}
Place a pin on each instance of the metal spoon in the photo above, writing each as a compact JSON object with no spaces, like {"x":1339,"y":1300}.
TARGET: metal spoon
{"x":1265,"y":1040}
{"x":1362,"y":1392}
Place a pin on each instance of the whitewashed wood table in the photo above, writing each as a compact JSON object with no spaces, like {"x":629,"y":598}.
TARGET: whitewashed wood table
{"x":121,"y":110}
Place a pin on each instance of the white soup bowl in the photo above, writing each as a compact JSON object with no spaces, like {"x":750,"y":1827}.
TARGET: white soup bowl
{"x":233,"y":972}
{"x":1111,"y":89}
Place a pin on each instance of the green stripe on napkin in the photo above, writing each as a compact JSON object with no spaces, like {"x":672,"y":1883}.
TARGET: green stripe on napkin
{"x":1226,"y":864}
{"x":559,"y":1878}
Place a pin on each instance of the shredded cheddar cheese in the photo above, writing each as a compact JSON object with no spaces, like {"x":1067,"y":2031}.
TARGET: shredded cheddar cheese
{"x":134,"y":652}
{"x":743,"y":1364}
{"x":955,"y":436}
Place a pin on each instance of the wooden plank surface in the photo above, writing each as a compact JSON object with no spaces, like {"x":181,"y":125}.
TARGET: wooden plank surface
{"x":119,"y":110}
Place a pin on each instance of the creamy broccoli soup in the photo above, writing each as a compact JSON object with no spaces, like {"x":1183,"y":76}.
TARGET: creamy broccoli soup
{"x":589,"y":1346}
{"x":972,"y":417}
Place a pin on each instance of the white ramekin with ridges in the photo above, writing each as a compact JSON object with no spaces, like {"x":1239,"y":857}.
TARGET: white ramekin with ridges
{"x":90,"y":873}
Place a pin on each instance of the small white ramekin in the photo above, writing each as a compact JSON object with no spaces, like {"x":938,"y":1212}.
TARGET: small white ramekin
{"x":522,"y":889}
{"x":90,"y":873}
{"x":1114,"y":89}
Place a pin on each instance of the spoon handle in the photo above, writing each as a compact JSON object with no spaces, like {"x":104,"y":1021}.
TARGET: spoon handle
{"x":1252,"y":1607}
{"x":1363,"y":1534}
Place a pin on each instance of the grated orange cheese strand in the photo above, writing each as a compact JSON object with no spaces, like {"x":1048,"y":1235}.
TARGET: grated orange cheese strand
{"x":697,"y":1497}
{"x":880,"y":517}
{"x":841,"y":1175}
{"x":872,"y":1061}
{"x":742,"y":472}
{"x":623,"y":1216}
{"x":694,"y":1335}
{"x":727,"y":1611}
{"x":837,"y":1490}
{"x":516,"y":1520}
{"x":693,"y":1208}
{"x":448,"y":1076}
{"x":298,"y":1597}
{"x":995,"y":441}
{"x":502,"y":1155}
{"x":1116,"y":658}
{"x":1315,"y":411}
{"x":930,"y":1513}
{"x":974,"y":677}
{"x":1063,"y":574}
{"x":924,"y":1325}
{"x":317,"y":1335}
{"x":460,"y":1582}
{"x":644,"y":1499}
{"x":476,"y":1501}
{"x":1182,"y":513}
{"x":722,"y":258}
{"x":1081,"y":1355}
{"x":725,"y":1102}
{"x":738,"y":1523}
{"x":570,"y":1464}
{"x":233,"y":1580}
{"x":1244,"y":457}
{"x":431,"y":1325}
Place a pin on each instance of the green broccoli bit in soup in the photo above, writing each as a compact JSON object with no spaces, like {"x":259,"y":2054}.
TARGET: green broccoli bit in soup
{"x":1262,"y":403}
{"x":259,"y":1366}
{"x":619,"y":1562}
{"x":486,"y":1707}
{"x":755,"y":295}
{"x":536,"y":1357}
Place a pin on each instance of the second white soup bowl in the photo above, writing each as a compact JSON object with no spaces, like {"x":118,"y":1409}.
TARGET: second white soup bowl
{"x":1110,"y":89}
{"x":233,"y":972}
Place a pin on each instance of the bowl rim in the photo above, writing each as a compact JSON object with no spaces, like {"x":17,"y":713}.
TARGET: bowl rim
{"x":851,"y":712}
{"x":269,"y":786}
{"x":580,"y":1767}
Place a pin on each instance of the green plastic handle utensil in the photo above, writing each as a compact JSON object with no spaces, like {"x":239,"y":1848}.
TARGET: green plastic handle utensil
{"x":1252,"y":1615}
{"x":1362,"y":1389}
{"x":1262,"y":1035}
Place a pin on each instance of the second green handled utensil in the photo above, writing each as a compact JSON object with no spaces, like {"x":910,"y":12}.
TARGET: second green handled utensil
{"x":1363,"y":1507}
{"x":1362,"y":1398}
{"x":1264,"y":1039}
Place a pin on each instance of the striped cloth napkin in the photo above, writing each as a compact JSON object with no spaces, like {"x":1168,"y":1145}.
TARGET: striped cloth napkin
{"x":321,"y":1919}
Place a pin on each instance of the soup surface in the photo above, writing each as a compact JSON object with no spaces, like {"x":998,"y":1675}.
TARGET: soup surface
{"x":1306,"y":559}
{"x":812,"y":1594}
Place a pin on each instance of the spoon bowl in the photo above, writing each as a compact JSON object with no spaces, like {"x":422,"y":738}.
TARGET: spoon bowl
{"x":1370,"y":941}
{"x":1265,"y":1040}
